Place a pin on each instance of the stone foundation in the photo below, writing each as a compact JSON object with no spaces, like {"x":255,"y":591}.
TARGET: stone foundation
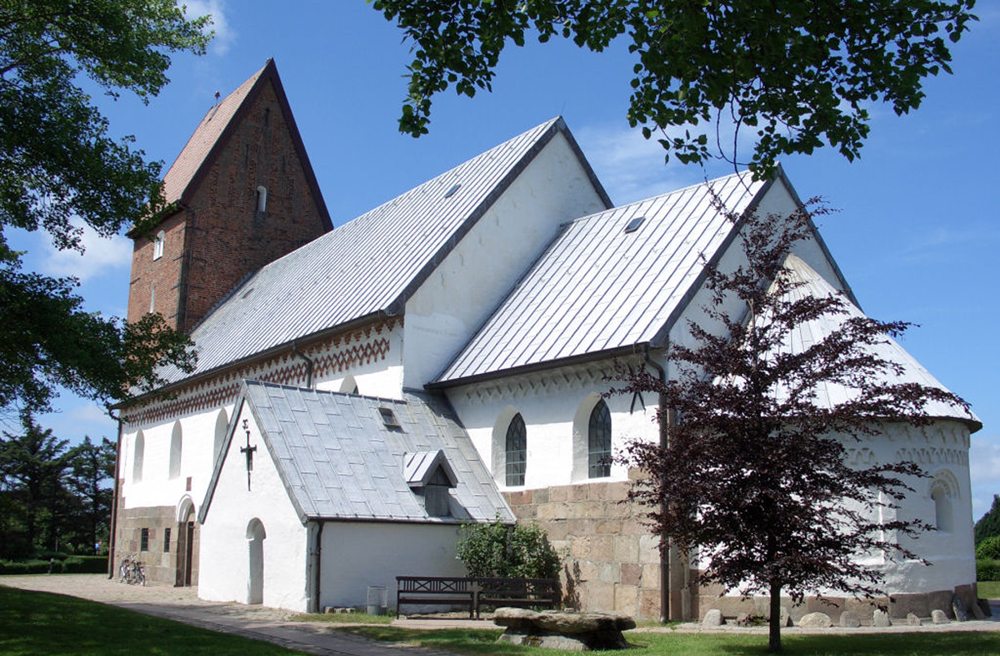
{"x":610,"y":560}
{"x":899,"y":605}
{"x":159,"y":565}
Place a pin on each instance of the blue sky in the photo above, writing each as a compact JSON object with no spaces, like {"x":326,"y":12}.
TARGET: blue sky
{"x":915,"y":235}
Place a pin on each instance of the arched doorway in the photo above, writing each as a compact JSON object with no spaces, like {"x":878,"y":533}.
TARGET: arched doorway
{"x":185,"y":543}
{"x":255,"y":578}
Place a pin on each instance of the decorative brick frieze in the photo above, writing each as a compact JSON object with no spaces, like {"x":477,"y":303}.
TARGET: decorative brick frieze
{"x":569,"y":378}
{"x":336,"y":354}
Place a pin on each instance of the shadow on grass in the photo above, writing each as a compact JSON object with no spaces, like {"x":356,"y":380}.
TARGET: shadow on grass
{"x":44,"y":624}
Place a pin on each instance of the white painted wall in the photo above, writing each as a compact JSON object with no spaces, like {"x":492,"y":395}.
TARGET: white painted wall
{"x":361,"y":554}
{"x":484,"y":266}
{"x":224,"y":565}
{"x":556,"y":407}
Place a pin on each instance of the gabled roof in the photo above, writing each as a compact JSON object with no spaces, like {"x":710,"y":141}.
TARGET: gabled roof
{"x":369,"y":266}
{"x":420,"y":468}
{"x":600,"y":287}
{"x":808,"y":333}
{"x":214,"y":131}
{"x":339,"y":461}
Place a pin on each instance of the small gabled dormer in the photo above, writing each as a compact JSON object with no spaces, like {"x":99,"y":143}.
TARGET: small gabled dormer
{"x":430,"y":477}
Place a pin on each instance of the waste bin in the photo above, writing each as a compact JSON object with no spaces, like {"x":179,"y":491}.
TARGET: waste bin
{"x":377,"y":600}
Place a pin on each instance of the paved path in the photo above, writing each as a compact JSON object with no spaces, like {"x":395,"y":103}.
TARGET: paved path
{"x":274,"y":625}
{"x":256,"y":622}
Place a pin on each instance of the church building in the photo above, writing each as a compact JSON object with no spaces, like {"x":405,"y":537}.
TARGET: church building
{"x":361,"y":391}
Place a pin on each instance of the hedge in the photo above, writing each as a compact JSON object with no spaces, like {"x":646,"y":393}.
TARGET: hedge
{"x":69,"y":565}
{"x":987,"y":569}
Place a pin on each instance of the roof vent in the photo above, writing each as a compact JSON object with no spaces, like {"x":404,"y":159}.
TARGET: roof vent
{"x":634,"y":224}
{"x":454,"y":188}
{"x":389,"y":419}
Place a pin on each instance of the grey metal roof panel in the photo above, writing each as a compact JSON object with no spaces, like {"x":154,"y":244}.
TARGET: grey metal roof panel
{"x":807,"y":333}
{"x":363,"y":267}
{"x":335,"y":471}
{"x":597,"y":288}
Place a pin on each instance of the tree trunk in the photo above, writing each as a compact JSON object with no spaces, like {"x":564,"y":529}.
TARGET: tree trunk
{"x":774,"y":625}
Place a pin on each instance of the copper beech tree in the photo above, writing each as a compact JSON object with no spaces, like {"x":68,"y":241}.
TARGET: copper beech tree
{"x":753,"y":482}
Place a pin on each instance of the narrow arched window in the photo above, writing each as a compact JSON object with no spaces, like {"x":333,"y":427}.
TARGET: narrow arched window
{"x":221,"y":424}
{"x":158,"y":245}
{"x":516,"y":451}
{"x":943,"y":519}
{"x":599,"y":441}
{"x":175,"y":451}
{"x":261,"y":198}
{"x":137,"y":457}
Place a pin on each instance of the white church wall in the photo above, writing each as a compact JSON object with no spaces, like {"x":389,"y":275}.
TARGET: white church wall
{"x":361,"y":554}
{"x":225,"y":547}
{"x":157,"y":486}
{"x":555,"y":406}
{"x":370,"y":376}
{"x":482,"y":268}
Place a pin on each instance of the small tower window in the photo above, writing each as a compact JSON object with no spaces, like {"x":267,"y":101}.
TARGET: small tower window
{"x":158,"y":245}
{"x":152,"y":297}
{"x":261,"y":198}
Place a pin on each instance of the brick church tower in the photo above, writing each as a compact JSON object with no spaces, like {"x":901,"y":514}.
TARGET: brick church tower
{"x":240,"y":195}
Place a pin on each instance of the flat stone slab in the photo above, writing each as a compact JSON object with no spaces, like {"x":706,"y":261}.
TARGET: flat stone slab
{"x":850,"y":620}
{"x":555,"y":629}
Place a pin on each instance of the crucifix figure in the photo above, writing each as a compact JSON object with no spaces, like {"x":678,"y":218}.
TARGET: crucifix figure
{"x":248,"y":451}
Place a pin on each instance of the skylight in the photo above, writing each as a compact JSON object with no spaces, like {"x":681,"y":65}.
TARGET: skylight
{"x":454,"y":188}
{"x":634,"y":224}
{"x":389,"y":419}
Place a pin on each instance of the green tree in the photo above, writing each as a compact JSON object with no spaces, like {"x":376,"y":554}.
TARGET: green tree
{"x":794,"y":74}
{"x":57,"y":164}
{"x":92,"y":467}
{"x":33,"y":466}
{"x":754,"y":478}
{"x":989,"y":524}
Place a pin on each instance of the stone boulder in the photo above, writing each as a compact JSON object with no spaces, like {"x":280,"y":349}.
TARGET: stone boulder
{"x":554,"y":629}
{"x":849,"y":620}
{"x":713,"y":618}
{"x":938,"y":616}
{"x":880,"y":618}
{"x":816,"y":621}
{"x":913,"y":620}
{"x":958,"y":608}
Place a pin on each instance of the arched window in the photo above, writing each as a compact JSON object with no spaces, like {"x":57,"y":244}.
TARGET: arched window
{"x":137,"y":457}
{"x":599,"y":441}
{"x":261,"y":198}
{"x":152,"y":297}
{"x":158,"y":245}
{"x":175,"y":451}
{"x":943,"y":519}
{"x":349,"y":385}
{"x":516,"y":451}
{"x":221,"y":424}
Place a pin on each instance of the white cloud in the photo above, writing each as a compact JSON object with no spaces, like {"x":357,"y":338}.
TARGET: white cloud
{"x":100,"y":255}
{"x":984,"y":469}
{"x":225,"y":34}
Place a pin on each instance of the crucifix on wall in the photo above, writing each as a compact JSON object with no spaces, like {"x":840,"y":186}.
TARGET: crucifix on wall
{"x":248,"y":452}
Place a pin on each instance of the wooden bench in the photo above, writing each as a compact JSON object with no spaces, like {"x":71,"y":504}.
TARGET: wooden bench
{"x":475,"y":592}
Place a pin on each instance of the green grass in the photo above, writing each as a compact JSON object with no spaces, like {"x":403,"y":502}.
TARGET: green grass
{"x":43,"y":624}
{"x":343,"y":618}
{"x":989,"y":590}
{"x":463,"y":641}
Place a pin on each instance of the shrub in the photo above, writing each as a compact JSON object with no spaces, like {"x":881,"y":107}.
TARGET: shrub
{"x":989,"y":549}
{"x":500,"y":549}
{"x":987,"y":569}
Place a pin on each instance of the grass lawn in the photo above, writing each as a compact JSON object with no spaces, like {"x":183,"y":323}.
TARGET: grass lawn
{"x":989,"y":589}
{"x":343,"y":618}
{"x":43,"y":624}
{"x":462,"y":641}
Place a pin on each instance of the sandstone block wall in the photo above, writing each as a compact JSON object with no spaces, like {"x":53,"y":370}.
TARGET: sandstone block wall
{"x":610,"y":559}
{"x":159,"y":565}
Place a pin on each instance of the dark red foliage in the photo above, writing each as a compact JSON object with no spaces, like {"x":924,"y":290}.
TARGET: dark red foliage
{"x":753,"y":481}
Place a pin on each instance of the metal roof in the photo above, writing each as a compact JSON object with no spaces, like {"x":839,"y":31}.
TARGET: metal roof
{"x":599,"y":287}
{"x":339,"y":460}
{"x":366,"y":266}
{"x":807,"y":333}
